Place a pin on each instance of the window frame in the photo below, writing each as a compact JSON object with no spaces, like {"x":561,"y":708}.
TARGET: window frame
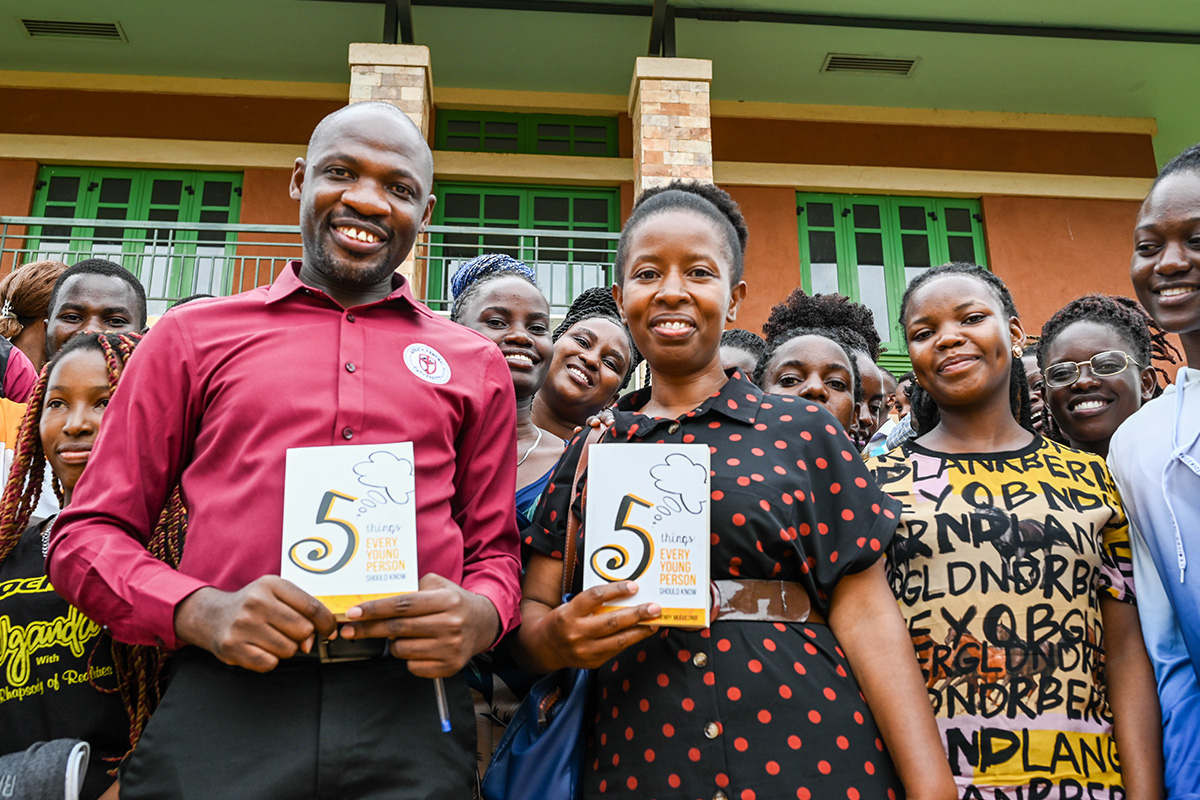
{"x":136,"y":247}
{"x":936,"y":233}
{"x":526,"y":194}
{"x":527,"y":137}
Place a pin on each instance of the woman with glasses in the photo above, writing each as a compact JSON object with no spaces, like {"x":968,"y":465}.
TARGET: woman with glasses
{"x":1095,"y":358}
{"x":1011,"y":564}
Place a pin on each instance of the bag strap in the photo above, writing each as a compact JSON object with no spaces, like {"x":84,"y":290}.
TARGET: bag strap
{"x":573,"y":522}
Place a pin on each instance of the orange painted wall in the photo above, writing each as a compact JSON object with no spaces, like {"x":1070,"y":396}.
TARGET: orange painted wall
{"x":167,"y":116}
{"x":265,"y":201}
{"x":772,"y":253}
{"x":1050,"y":251}
{"x":859,"y":144}
{"x":16,"y":197}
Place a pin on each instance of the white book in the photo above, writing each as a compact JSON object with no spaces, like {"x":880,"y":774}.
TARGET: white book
{"x":647,"y":520}
{"x":349,"y":522}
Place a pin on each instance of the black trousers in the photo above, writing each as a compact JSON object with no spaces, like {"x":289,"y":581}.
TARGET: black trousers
{"x":346,"y":731}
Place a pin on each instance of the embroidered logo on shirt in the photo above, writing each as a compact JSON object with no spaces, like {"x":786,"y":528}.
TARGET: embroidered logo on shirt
{"x":426,"y":363}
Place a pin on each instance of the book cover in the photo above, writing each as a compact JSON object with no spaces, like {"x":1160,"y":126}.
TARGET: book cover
{"x":349,"y":523}
{"x":647,"y":520}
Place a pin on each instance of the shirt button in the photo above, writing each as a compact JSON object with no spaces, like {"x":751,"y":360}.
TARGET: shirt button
{"x":350,"y":366}
{"x":720,"y":795}
{"x":712,"y":730}
{"x":347,"y":433}
{"x":673,"y":427}
{"x":349,"y":318}
{"x":700,"y":659}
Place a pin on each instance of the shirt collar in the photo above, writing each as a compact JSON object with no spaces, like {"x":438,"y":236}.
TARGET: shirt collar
{"x":288,"y":283}
{"x":738,"y":399}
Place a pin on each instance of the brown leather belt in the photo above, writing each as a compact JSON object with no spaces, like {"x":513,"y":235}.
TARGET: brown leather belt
{"x":763,"y":601}
{"x":339,"y":650}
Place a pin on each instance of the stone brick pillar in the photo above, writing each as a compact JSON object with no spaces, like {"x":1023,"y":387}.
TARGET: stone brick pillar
{"x":399,"y":74}
{"x":672,"y":125}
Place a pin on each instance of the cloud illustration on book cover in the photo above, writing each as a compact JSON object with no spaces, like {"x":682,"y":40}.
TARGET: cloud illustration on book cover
{"x":389,"y":472}
{"x":680,"y":477}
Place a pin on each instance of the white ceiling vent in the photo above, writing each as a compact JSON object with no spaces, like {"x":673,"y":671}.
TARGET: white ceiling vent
{"x":66,"y":29}
{"x":873,"y":65}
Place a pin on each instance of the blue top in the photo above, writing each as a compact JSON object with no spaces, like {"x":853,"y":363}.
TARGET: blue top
{"x":1155,"y":459}
{"x":528,"y":496}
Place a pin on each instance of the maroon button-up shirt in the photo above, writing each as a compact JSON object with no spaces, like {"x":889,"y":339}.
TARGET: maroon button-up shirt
{"x":216,"y":393}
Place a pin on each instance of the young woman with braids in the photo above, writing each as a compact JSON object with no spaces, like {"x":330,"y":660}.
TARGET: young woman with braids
{"x":76,"y":683}
{"x":1095,"y":358}
{"x":839,"y":313}
{"x":496,"y":295}
{"x":594,"y":358}
{"x":828,"y":705}
{"x":1011,"y":565}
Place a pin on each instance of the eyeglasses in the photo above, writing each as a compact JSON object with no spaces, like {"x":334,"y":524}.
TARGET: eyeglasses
{"x":1102,"y":365}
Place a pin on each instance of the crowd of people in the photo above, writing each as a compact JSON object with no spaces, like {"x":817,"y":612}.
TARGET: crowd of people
{"x":973,"y":576}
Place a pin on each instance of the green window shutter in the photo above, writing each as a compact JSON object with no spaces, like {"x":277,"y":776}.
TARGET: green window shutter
{"x":170,"y":263}
{"x":547,"y":134}
{"x":565,"y":264}
{"x":870,"y":248}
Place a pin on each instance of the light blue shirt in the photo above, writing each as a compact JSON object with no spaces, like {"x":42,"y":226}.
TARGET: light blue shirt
{"x":1155,"y":459}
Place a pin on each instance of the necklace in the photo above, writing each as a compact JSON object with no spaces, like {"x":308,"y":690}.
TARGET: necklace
{"x":46,"y":526}
{"x":532,"y":447}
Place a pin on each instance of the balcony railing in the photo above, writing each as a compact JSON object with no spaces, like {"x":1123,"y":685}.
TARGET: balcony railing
{"x":174,"y":260}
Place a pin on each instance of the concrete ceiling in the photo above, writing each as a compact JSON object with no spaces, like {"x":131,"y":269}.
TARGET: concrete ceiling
{"x":305,"y":40}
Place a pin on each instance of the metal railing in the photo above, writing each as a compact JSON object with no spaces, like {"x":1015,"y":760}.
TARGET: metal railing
{"x":178,"y":259}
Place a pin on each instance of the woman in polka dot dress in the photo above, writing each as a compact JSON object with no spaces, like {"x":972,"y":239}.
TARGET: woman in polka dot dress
{"x":744,"y":709}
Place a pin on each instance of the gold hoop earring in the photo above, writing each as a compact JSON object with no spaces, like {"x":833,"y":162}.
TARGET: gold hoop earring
{"x":1017,"y":351}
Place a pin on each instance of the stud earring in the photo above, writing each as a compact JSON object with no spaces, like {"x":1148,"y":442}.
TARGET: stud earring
{"x":1017,"y":351}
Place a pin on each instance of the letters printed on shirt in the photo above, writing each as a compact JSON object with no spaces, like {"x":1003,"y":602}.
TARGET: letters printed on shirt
{"x":426,"y":363}
{"x":349,"y":522}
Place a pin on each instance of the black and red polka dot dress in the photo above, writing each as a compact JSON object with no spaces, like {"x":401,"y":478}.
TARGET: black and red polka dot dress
{"x":746,"y":710}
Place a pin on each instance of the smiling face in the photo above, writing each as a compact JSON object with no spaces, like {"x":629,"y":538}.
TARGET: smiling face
{"x":1165,"y":269}
{"x":676,"y":294}
{"x":816,"y":369}
{"x":589,"y":363}
{"x":868,"y":413}
{"x":960,"y":341}
{"x":77,"y":393}
{"x":1089,"y":411}
{"x":91,"y":302}
{"x":513,"y":313}
{"x":1033,"y":376}
{"x":364,"y":196}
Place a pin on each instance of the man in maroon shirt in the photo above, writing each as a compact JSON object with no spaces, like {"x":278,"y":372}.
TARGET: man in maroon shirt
{"x":336,"y":351}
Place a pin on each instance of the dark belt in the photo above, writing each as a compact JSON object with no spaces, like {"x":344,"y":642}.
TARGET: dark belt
{"x":763,"y":601}
{"x":338,"y":650}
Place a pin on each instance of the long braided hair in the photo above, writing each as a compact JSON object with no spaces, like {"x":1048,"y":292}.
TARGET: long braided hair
{"x":924,"y":410}
{"x":140,"y":670}
{"x":598,"y":303}
{"x":1129,"y":320}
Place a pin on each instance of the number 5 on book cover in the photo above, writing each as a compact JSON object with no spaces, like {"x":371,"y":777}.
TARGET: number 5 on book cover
{"x":349,"y":522}
{"x":647,"y":520}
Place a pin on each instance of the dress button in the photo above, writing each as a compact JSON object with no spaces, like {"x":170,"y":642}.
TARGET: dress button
{"x":349,"y":318}
{"x":674,"y":426}
{"x":347,"y":433}
{"x":712,"y":730}
{"x":720,"y":795}
{"x":350,"y":366}
{"x":700,"y":659}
